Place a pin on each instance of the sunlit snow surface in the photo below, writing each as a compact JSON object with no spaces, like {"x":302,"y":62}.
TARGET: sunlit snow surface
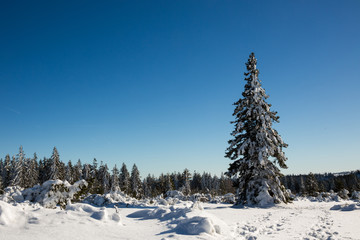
{"x":302,"y":219}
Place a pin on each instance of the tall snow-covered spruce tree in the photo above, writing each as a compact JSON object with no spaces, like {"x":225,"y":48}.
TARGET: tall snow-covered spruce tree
{"x":256,"y":147}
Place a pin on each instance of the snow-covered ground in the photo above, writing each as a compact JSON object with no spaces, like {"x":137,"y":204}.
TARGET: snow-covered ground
{"x":302,"y":219}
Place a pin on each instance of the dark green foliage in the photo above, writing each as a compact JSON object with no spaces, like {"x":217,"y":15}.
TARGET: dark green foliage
{"x":84,"y":190}
{"x":135,"y":183}
{"x":254,"y":141}
{"x":62,"y":189}
{"x":311,"y":185}
{"x":124,"y":179}
{"x":326,"y":182}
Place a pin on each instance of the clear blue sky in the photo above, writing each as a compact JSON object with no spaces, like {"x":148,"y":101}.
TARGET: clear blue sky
{"x":153,"y":82}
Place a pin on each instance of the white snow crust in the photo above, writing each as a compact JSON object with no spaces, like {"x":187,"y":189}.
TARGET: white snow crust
{"x":305,"y":218}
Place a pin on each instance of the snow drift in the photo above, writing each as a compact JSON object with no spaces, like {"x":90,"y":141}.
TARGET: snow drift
{"x":10,"y":214}
{"x":185,"y":220}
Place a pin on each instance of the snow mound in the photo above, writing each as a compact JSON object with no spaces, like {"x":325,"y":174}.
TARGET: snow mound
{"x":104,"y":216}
{"x":321,"y":197}
{"x":197,"y":225}
{"x":10,"y":214}
{"x":100,"y":214}
{"x":346,"y":207}
{"x":81,"y":207}
{"x":114,"y":197}
{"x":188,"y":220}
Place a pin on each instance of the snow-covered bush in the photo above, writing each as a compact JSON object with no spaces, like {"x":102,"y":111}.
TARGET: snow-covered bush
{"x":344,"y":193}
{"x":326,"y":196}
{"x":12,"y":194}
{"x":229,"y":198}
{"x":290,"y":194}
{"x":200,"y":197}
{"x":112,"y":197}
{"x":50,"y":194}
{"x":175,"y":194}
{"x":355,"y":195}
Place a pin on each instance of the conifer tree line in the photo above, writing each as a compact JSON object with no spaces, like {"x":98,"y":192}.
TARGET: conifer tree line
{"x":26,"y":172}
{"x":311,"y":184}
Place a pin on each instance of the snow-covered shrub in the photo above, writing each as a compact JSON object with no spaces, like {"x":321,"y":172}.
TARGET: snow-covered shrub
{"x":197,"y":206}
{"x":174,"y":194}
{"x":12,"y":194}
{"x":58,"y":194}
{"x":290,"y":194}
{"x":229,"y":198}
{"x":355,"y":195}
{"x":117,"y":196}
{"x":216,"y":199}
{"x":79,"y":189}
{"x":321,"y":197}
{"x":161,"y":201}
{"x":344,"y":194}
{"x":50,"y":194}
{"x":111,"y":198}
{"x":200,"y":197}
{"x":334,"y":196}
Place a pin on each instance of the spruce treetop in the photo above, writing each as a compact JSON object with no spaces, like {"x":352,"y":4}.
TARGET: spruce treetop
{"x":253,"y":124}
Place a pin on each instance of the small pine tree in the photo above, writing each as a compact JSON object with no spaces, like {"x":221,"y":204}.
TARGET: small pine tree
{"x":34,"y":170}
{"x":185,"y":182}
{"x":254,"y":142}
{"x":78,"y":171}
{"x":104,"y":178}
{"x":1,"y":185}
{"x":95,"y":186}
{"x":86,"y":172}
{"x":311,"y":185}
{"x":302,"y":188}
{"x":26,"y":168}
{"x":115,"y":179}
{"x":136,"y":185}
{"x":206,"y":182}
{"x":44,"y":169}
{"x":7,"y":171}
{"x":215,"y":190}
{"x":69,"y":173}
{"x":196,"y":182}
{"x":18,"y":178}
{"x":124,"y":179}
{"x":147,"y":188}
{"x":55,"y":165}
{"x":168,"y":183}
{"x":175,"y":179}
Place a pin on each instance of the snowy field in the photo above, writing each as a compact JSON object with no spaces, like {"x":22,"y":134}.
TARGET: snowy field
{"x":302,"y":219}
